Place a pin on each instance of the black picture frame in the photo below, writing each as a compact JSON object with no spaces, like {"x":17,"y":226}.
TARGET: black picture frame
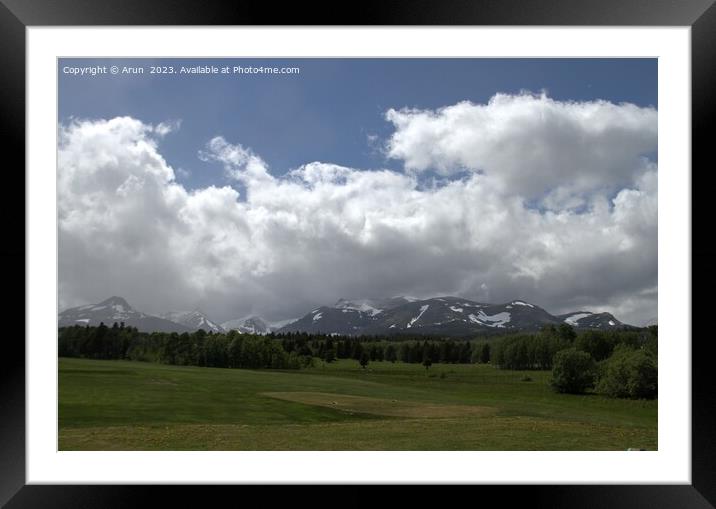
{"x":700,"y":15}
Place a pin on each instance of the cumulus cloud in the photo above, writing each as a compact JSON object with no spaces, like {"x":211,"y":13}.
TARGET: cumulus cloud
{"x":531,"y":144}
{"x":324,"y":231}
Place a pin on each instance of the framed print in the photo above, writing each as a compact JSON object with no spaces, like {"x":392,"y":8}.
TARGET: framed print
{"x":341,"y":254}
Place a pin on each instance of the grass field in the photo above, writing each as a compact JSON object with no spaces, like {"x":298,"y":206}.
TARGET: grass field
{"x":121,"y":405}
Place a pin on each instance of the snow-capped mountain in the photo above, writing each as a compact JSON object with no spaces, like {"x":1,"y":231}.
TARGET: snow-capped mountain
{"x":116,"y":309}
{"x":589,"y":320}
{"x":193,"y":320}
{"x":373,"y":306}
{"x":450,"y":316}
{"x":326,"y":319}
{"x":456,"y":316}
{"x":250,"y":325}
{"x":347,"y":317}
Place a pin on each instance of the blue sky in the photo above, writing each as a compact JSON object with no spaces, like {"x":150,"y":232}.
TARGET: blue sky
{"x":328,"y":111}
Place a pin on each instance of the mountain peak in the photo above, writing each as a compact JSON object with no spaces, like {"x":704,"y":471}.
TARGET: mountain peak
{"x":248,"y":325}
{"x":115,"y":301}
{"x":363,"y":305}
{"x":194,"y":320}
{"x":406,"y":298}
{"x":521,"y":303}
{"x":116,"y":310}
{"x":256,"y":320}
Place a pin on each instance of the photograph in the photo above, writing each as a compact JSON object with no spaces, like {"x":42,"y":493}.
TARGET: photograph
{"x":424,"y":246}
{"x":357,"y":254}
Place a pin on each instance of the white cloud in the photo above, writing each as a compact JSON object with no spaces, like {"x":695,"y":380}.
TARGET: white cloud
{"x":531,"y":145}
{"x":324,"y":231}
{"x":239,"y":163}
{"x":164,"y":128}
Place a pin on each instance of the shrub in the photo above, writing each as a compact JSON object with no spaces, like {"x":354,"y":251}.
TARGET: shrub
{"x":573,"y":372}
{"x":629,"y":373}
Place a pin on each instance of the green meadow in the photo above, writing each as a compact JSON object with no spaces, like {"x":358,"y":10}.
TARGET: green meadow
{"x":124,"y":405}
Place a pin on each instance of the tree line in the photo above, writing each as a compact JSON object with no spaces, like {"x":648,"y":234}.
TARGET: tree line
{"x":330,"y":348}
{"x":235,"y":350}
{"x":230,"y":350}
{"x":620,"y":363}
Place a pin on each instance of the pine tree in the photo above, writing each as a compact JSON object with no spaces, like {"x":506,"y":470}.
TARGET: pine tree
{"x":390,"y":354}
{"x":427,"y":361}
{"x":329,"y":355}
{"x":364,"y":360}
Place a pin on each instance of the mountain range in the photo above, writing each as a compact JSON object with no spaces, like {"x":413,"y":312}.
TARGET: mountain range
{"x":445,"y":316}
{"x":116,"y":309}
{"x":441,"y":316}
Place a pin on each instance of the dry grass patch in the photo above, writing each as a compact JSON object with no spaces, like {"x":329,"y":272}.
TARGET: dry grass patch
{"x":380,"y":406}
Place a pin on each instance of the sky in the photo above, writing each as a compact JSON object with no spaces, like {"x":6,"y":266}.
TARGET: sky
{"x":237,"y":194}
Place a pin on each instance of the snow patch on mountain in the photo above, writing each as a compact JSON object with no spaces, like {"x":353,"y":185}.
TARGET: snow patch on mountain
{"x":573,"y":319}
{"x":497,"y":320}
{"x":364,"y":306}
{"x":423,"y":309}
{"x":520,"y":303}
